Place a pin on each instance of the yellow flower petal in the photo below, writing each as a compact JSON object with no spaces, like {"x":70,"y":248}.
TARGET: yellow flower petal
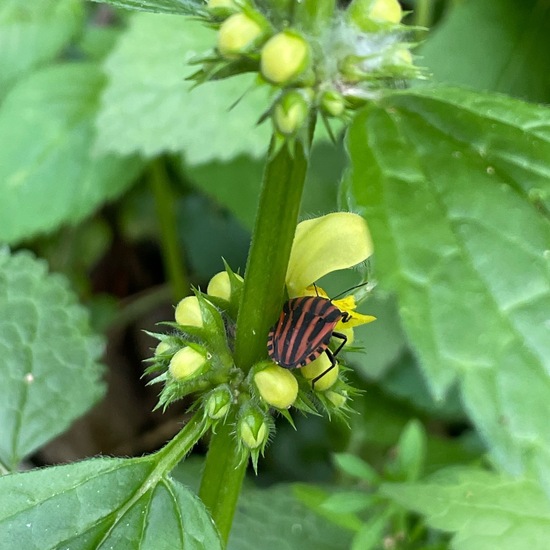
{"x":355,"y":319}
{"x":322,"y":245}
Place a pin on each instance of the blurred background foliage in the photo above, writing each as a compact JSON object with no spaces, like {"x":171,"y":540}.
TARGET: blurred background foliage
{"x":106,"y":151}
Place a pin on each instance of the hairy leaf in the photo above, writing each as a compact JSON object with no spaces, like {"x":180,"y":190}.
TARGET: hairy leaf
{"x":500,"y":46}
{"x":456,"y":189}
{"x":48,"y":173}
{"x":32,"y":33}
{"x":483,"y":509}
{"x":149,"y":108}
{"x":48,"y":365}
{"x":101,"y":504}
{"x":181,"y":7}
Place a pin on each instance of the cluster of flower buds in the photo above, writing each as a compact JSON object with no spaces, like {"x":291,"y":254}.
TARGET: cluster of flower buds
{"x":196,"y":358}
{"x":320,"y":58}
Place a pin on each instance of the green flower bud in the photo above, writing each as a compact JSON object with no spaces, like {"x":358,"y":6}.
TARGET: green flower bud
{"x":318,"y":367}
{"x":277,"y":386}
{"x":222,"y":4}
{"x":332,"y":103}
{"x":290,"y":113}
{"x":401,"y":57}
{"x":337,"y":399}
{"x":220,"y":285}
{"x":188,"y":312}
{"x":253,"y":429}
{"x":373,"y":15}
{"x":237,"y":34}
{"x":162,"y":348}
{"x":218,"y":403}
{"x":187,"y":363}
{"x":284,"y":57}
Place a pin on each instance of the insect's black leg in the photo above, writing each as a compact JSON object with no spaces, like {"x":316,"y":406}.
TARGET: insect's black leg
{"x":342,"y":337}
{"x":332,"y":356}
{"x":333,"y":363}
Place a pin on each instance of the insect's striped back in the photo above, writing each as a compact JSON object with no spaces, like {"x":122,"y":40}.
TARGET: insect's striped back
{"x":303,"y":331}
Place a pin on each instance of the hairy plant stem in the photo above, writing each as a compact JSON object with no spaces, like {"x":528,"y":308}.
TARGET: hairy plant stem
{"x":166,"y":216}
{"x":263,"y":296}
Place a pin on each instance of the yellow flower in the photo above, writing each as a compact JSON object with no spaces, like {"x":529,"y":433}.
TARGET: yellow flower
{"x":321,"y":245}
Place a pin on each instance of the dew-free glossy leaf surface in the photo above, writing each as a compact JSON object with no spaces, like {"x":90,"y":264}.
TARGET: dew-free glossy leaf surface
{"x":455,"y":187}
{"x":148,"y":107}
{"x":48,"y":357}
{"x":181,"y":7}
{"x":48,"y":173}
{"x":102,"y":504}
{"x":485,"y":511}
{"x":32,"y":33}
{"x":500,"y":46}
{"x":274,"y":519}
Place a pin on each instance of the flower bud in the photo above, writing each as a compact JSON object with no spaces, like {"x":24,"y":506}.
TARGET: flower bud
{"x":222,"y":4}
{"x":188,"y":312}
{"x":290,"y":113}
{"x":337,"y":399}
{"x":252,"y":429}
{"x":349,"y":334}
{"x":401,"y":57}
{"x":332,"y":103}
{"x":277,"y":386}
{"x":373,"y":15}
{"x":284,"y":57}
{"x":318,"y":367}
{"x":162,"y":348}
{"x":187,"y":363}
{"x":218,"y":403}
{"x":237,"y":34}
{"x":220,"y":285}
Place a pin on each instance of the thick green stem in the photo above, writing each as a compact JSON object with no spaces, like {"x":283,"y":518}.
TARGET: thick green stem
{"x":264,"y":284}
{"x":166,"y":215}
{"x":263,"y":296}
{"x":222,"y":478}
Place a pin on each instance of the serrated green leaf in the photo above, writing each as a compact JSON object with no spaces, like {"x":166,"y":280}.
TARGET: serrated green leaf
{"x":499,"y":46}
{"x":48,"y":364}
{"x":181,"y":7}
{"x":34,"y":32}
{"x":149,"y":108}
{"x":273,"y":519}
{"x":48,"y":174}
{"x":485,"y":510}
{"x":101,"y":504}
{"x":455,"y":187}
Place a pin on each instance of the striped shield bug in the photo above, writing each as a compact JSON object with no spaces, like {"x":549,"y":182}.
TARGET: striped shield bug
{"x":303,"y":332}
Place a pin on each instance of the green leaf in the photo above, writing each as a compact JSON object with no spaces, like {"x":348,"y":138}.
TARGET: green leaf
{"x":508,"y":52}
{"x":149,"y":108}
{"x":273,"y":519}
{"x":181,"y":7}
{"x":356,"y":467}
{"x":485,"y":510}
{"x":410,"y":457}
{"x":32,"y":33}
{"x":101,"y":504}
{"x":49,"y":369}
{"x":455,"y":187}
{"x":48,"y":174}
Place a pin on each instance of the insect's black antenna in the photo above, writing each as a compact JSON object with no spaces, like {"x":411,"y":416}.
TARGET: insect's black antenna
{"x":352,"y":288}
{"x":316,"y":290}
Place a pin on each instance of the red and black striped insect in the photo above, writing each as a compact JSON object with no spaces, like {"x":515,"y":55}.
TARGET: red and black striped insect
{"x":303,"y":333}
